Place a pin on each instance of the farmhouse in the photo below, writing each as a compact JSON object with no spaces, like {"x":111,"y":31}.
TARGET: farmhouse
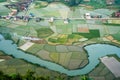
{"x":109,"y":2}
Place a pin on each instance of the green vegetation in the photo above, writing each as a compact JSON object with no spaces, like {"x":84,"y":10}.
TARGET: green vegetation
{"x":115,"y":56}
{"x":102,"y":73}
{"x":64,"y":39}
{"x":3,"y":0}
{"x":40,"y":4}
{"x":35,"y":48}
{"x":74,"y":36}
{"x":44,"y":32}
{"x":91,"y":34}
{"x":97,"y":3}
{"x":50,"y":48}
{"x":7,"y":36}
{"x":70,"y":2}
{"x":117,"y":2}
{"x":55,"y":57}
{"x":116,"y":36}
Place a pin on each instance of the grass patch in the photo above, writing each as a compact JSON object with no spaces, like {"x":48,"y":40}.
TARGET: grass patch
{"x":44,"y":32}
{"x":35,"y":48}
{"x":96,"y":4}
{"x":50,"y":48}
{"x":91,"y":34}
{"x":75,"y":55}
{"x":116,"y":36}
{"x":40,"y":4}
{"x":74,"y":36}
{"x":61,"y":49}
{"x":55,"y":57}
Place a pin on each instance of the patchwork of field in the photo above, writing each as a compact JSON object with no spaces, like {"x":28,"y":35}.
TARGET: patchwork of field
{"x":71,"y":57}
{"x":101,"y":72}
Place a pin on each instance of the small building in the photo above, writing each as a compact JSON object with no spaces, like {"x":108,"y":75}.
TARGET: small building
{"x":109,"y":2}
{"x":66,"y":21}
{"x":26,"y":18}
{"x":87,"y":16}
{"x":117,"y":14}
{"x":38,"y":19}
{"x":51,"y":19}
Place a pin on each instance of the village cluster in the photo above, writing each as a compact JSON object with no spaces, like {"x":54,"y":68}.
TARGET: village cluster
{"x":24,"y":6}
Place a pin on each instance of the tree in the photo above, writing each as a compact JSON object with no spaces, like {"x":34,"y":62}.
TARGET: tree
{"x":117,"y":1}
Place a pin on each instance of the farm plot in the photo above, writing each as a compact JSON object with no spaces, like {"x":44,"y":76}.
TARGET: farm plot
{"x":74,"y":63}
{"x":61,"y":49}
{"x":73,"y":48}
{"x":54,"y":57}
{"x":3,"y":9}
{"x":50,"y":48}
{"x":44,"y":55}
{"x":64,"y":28}
{"x":35,"y":48}
{"x":105,"y":71}
{"x":67,"y":59}
{"x":83,"y":63}
{"x":10,"y":71}
{"x":101,"y":71}
{"x":75,"y":55}
{"x":96,"y":71}
{"x":62,"y":58}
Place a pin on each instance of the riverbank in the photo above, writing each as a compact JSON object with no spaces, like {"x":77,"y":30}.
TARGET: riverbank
{"x":93,"y":58}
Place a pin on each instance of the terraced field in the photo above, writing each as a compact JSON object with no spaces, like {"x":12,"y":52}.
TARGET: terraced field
{"x":71,"y":57}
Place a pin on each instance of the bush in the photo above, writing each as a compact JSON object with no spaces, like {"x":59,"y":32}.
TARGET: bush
{"x":3,"y":0}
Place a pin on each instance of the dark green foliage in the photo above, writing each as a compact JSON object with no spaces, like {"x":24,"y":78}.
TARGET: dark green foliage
{"x":52,"y":40}
{"x":97,"y":3}
{"x":3,"y":0}
{"x":68,"y":2}
{"x":28,"y":76}
{"x":7,"y":36}
{"x":117,"y":1}
{"x":116,"y":36}
{"x":91,"y":34}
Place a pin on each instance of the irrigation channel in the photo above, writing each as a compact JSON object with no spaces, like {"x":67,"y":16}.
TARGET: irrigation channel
{"x":95,"y":51}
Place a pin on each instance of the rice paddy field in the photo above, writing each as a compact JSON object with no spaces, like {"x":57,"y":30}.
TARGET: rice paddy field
{"x":67,"y":56}
{"x":101,"y":73}
{"x":60,"y":37}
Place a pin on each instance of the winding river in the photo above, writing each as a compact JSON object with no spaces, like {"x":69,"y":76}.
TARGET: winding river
{"x":95,"y":51}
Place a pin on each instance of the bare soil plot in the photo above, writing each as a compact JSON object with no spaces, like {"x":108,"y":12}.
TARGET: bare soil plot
{"x":112,"y":64}
{"x":74,"y":64}
{"x":26,"y":46}
{"x":73,"y":48}
{"x":61,"y":49}
{"x":44,"y":54}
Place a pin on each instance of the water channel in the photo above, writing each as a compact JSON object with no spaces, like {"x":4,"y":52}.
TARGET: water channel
{"x":95,"y":51}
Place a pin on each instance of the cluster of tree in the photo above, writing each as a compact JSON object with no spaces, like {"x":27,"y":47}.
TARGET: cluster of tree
{"x":117,"y":1}
{"x":68,"y":2}
{"x":28,"y":76}
{"x":3,"y":0}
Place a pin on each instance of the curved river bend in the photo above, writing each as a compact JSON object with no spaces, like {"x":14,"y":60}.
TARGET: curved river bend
{"x":95,"y":51}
